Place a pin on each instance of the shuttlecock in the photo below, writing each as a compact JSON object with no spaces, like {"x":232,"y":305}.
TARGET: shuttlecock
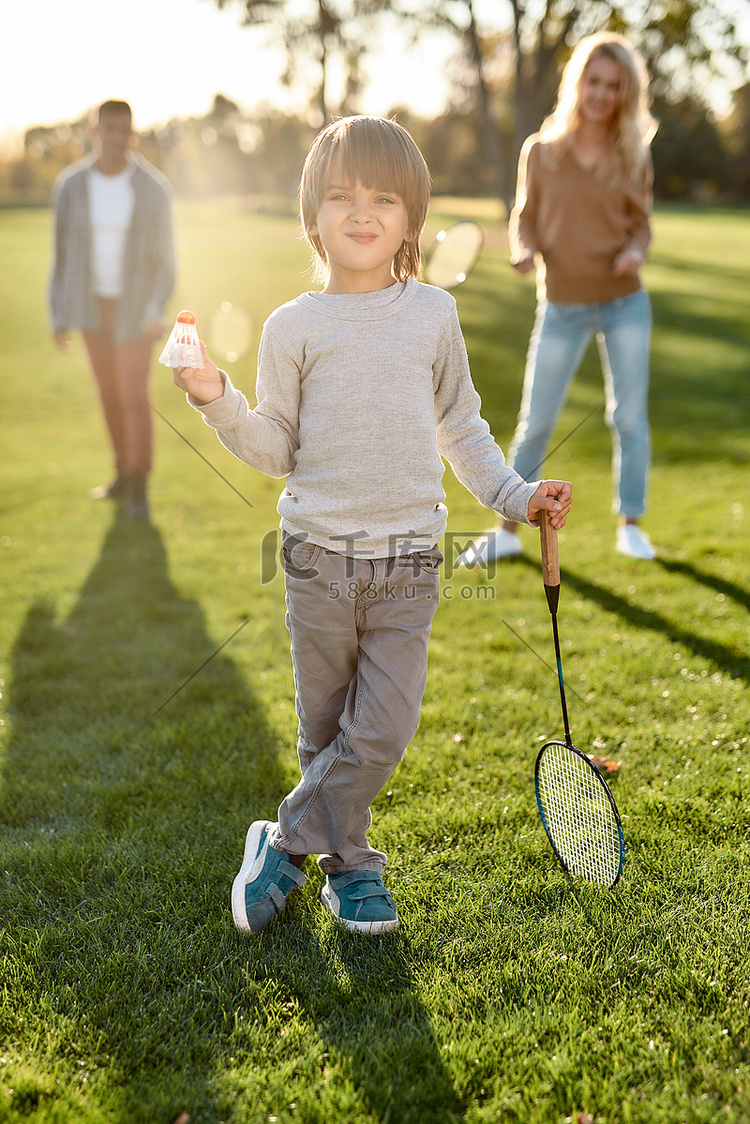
{"x":183,"y":347}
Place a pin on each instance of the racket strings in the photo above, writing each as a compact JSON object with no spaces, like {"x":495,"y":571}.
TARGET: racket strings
{"x":578,"y":815}
{"x":454,"y":255}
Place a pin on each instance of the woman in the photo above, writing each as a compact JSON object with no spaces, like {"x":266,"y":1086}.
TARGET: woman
{"x":581,"y":217}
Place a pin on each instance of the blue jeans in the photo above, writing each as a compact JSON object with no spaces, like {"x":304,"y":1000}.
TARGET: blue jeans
{"x":561,"y":335}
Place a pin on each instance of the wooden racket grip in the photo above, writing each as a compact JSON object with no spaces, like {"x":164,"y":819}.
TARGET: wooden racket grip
{"x":550,"y":556}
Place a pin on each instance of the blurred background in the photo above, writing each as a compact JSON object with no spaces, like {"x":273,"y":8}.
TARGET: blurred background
{"x":227,"y":94}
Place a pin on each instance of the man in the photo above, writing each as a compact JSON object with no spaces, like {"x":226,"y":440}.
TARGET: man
{"x":113,"y":274}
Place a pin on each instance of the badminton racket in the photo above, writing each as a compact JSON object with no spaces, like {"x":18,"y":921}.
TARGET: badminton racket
{"x":454,"y":254}
{"x":577,"y":809}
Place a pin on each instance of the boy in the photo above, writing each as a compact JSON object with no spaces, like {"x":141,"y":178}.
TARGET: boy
{"x":361,"y":388}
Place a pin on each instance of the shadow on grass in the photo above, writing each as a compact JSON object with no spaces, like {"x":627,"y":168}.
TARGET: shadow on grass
{"x":129,"y":997}
{"x":358,"y":996}
{"x":713,"y":581}
{"x":121,"y":836}
{"x":397,"y":1063}
{"x":733,"y":662}
{"x":708,"y":269}
{"x":686,"y":400}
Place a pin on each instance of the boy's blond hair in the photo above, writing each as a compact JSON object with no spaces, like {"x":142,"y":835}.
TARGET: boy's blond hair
{"x":379,"y":153}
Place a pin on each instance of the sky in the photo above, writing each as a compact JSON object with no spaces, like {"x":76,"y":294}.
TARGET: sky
{"x":169,"y":58}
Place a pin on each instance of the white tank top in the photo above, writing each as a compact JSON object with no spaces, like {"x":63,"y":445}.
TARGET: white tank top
{"x":111,"y":206}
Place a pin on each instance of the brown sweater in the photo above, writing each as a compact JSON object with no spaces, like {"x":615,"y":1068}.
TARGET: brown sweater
{"x":578,"y":225}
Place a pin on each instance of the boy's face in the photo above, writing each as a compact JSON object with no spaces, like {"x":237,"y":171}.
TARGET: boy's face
{"x":361,"y":229}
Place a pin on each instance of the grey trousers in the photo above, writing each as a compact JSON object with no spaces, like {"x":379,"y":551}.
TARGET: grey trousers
{"x":359,"y":634}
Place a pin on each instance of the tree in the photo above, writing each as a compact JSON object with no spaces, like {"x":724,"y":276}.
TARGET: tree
{"x":321,"y":30}
{"x":511,"y":68}
{"x":690,"y":157}
{"x":684,"y":42}
{"x":736,"y":128}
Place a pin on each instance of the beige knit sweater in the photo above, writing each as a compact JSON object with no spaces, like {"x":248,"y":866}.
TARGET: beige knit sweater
{"x":359,"y":397}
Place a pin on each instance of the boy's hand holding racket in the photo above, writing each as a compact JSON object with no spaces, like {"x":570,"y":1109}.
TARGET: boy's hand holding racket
{"x":202,"y":384}
{"x":554,"y":497}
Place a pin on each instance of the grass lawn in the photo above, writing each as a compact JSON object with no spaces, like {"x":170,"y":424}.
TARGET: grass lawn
{"x":127,"y":781}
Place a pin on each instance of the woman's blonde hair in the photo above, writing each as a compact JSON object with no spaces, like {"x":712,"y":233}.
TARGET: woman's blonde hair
{"x":378,"y":153}
{"x":633,"y":126}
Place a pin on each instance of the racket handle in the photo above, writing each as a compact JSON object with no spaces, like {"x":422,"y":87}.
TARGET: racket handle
{"x":550,"y":559}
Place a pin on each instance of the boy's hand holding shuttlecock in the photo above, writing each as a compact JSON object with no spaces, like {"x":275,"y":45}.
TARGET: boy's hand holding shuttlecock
{"x":192,"y":370}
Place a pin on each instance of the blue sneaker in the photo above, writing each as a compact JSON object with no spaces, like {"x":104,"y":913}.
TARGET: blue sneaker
{"x":360,"y":901}
{"x":266,"y":877}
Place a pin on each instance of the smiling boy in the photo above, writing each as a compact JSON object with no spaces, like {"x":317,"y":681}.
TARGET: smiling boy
{"x":361,"y":388}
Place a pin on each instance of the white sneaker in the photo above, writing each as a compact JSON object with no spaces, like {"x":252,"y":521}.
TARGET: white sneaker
{"x":490,"y":546}
{"x":634,"y":542}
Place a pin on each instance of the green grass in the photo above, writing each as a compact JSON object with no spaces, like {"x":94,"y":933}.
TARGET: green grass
{"x":509,"y":994}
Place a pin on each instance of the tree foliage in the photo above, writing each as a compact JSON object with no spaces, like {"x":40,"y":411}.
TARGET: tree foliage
{"x":259,"y":154}
{"x":737,"y":131}
{"x":505,"y":79}
{"x":690,"y":157}
{"x":686,"y":44}
{"x":510,"y":70}
{"x":315,"y":34}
